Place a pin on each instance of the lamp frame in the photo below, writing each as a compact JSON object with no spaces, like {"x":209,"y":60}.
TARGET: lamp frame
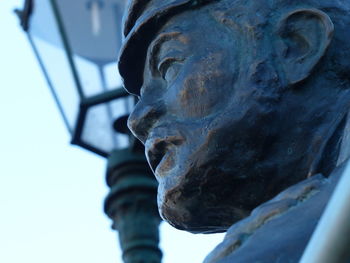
{"x":85,"y":102}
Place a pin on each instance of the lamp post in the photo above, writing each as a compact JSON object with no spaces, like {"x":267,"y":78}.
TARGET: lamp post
{"x":76,"y":44}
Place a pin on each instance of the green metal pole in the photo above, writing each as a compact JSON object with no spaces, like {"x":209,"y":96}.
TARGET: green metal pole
{"x":132,"y":206}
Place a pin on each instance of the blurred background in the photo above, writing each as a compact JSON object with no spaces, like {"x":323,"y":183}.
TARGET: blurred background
{"x":51,"y":193}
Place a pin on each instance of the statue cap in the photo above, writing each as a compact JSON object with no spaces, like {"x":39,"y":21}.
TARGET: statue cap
{"x":142,"y":21}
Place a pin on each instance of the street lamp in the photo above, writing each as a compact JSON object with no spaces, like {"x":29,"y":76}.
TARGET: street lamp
{"x":76,"y":44}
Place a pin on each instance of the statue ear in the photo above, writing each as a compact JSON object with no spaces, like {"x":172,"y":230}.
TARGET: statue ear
{"x":303,"y":38}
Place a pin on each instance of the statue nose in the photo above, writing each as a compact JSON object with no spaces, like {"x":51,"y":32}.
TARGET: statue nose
{"x":143,"y":118}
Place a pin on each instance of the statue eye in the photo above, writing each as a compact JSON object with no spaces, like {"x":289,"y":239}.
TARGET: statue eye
{"x":169,"y":68}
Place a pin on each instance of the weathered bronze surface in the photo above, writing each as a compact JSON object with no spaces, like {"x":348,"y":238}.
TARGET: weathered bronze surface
{"x":243,"y":106}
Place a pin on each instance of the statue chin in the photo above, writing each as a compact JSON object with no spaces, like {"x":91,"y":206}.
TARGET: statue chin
{"x":207,"y":223}
{"x":184,"y":220}
{"x":195,"y":214}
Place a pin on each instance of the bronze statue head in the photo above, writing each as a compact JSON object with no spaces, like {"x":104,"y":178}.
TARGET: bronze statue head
{"x":238,"y":99}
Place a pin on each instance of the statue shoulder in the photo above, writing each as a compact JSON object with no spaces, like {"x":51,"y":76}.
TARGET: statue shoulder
{"x":278,"y":230}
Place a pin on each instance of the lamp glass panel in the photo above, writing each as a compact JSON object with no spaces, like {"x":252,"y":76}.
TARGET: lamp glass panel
{"x":93,"y":29}
{"x":90,"y":76}
{"x":121,"y":108}
{"x":113,"y":79}
{"x":98,"y":128}
{"x":47,"y":40}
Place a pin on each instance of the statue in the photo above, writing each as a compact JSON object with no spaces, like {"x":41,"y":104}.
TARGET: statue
{"x":243,"y":109}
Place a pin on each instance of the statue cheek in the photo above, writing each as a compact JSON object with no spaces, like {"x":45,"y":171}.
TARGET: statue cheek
{"x":199,"y":95}
{"x":201,"y":88}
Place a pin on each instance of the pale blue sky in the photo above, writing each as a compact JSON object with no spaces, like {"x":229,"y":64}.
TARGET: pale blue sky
{"x":51,"y":193}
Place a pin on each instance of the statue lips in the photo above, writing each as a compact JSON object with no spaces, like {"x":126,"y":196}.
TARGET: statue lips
{"x":160,"y":149}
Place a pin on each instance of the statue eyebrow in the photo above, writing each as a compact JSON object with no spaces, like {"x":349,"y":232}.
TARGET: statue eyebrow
{"x":155,"y":47}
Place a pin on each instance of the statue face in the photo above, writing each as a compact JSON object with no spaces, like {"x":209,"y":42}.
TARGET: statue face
{"x":200,"y":123}
{"x":208,"y":118}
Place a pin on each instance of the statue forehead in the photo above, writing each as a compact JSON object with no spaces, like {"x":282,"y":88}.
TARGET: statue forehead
{"x":145,"y":19}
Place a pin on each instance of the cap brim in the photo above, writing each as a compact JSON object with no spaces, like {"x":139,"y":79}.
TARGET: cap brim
{"x":134,"y":50}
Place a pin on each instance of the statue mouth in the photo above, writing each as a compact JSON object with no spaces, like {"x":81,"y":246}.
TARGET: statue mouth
{"x":156,"y":152}
{"x":160,"y":150}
